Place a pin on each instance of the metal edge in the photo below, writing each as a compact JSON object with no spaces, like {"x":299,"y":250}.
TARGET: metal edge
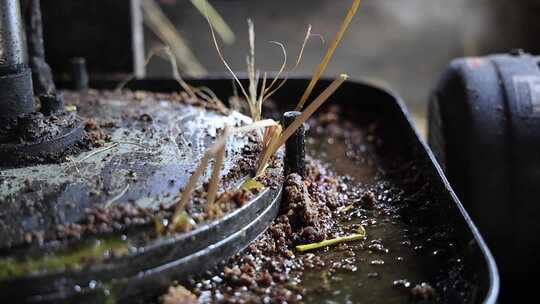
{"x":125,"y":292}
{"x":494,"y":287}
{"x":66,"y":280}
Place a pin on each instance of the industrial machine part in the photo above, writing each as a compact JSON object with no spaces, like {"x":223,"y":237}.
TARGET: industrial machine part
{"x":16,"y":92}
{"x":47,"y":182}
{"x":148,"y":268}
{"x":26,"y":135}
{"x":146,"y":164}
{"x":484,"y":123}
{"x":150,"y":150}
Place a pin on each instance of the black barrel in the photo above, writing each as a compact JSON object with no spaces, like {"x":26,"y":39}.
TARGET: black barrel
{"x":484,"y":127}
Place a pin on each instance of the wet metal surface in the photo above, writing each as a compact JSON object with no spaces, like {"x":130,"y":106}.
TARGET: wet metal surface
{"x":154,"y":148}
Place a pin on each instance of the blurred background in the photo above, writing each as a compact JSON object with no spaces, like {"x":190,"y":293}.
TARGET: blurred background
{"x":403,"y":45}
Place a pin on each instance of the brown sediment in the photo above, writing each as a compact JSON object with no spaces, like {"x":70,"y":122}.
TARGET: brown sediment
{"x":178,"y":295}
{"x":96,"y":135}
{"x":104,"y":220}
{"x":302,"y":214}
{"x":267,"y":271}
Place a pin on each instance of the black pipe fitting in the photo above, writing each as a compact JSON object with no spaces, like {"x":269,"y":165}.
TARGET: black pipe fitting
{"x":16,"y":95}
{"x":295,"y":147}
{"x":52,"y":103}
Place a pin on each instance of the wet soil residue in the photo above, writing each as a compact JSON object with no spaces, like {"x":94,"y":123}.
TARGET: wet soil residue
{"x":352,"y":182}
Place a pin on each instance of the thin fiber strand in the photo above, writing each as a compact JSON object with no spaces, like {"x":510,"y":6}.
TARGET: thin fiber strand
{"x":329,"y":53}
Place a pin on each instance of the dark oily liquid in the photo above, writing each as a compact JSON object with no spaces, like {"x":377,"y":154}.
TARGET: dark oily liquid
{"x":384,"y":267}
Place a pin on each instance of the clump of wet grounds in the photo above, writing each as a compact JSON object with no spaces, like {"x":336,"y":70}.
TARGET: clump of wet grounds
{"x":267,"y":271}
{"x":351,"y":182}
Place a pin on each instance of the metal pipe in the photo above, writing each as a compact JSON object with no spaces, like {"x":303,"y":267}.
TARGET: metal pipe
{"x":42,"y":77}
{"x":13,"y":53}
{"x":16,"y":92}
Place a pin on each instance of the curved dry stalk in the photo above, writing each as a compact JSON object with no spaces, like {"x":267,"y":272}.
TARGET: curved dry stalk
{"x":208,"y":95}
{"x":298,"y":60}
{"x":218,"y":163}
{"x":329,"y":53}
{"x":281,"y":69}
{"x":202,"y":95}
{"x":202,"y":92}
{"x":304,"y":43}
{"x":259,"y":102}
{"x":117,"y":197}
{"x":176,"y":74}
{"x":216,"y":45}
{"x":174,"y":68}
{"x":208,"y":92}
{"x":320,"y":37}
{"x":149,"y":57}
{"x":99,"y":151}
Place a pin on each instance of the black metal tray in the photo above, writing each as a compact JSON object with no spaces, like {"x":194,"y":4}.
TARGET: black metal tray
{"x":446,"y":210}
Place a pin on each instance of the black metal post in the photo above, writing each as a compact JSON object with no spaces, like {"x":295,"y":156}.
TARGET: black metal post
{"x":295,"y":147}
{"x":16,"y":93}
